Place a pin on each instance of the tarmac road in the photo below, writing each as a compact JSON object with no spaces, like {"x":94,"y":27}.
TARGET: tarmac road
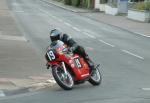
{"x":124,"y":57}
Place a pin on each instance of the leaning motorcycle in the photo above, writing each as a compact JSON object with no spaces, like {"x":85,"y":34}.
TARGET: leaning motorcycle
{"x":68,"y":68}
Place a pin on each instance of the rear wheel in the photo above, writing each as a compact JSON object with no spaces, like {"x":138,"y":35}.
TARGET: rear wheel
{"x":63,"y":80}
{"x":96,"y":77}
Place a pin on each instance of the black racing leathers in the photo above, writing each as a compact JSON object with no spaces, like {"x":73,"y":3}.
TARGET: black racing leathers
{"x":77,"y":48}
{"x":71,"y":43}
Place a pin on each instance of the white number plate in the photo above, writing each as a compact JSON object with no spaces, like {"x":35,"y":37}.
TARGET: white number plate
{"x":51,"y":55}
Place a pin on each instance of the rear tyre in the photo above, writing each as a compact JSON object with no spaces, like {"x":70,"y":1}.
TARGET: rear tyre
{"x":96,"y":77}
{"x":64,"y":81}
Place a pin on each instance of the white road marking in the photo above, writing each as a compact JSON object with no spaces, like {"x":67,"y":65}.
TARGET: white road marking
{"x":60,"y":20}
{"x":48,"y":13}
{"x":8,"y":37}
{"x":140,"y":57}
{"x":44,"y":2}
{"x":106,"y":29}
{"x":90,"y":15}
{"x":91,"y":36}
{"x":146,"y":89}
{"x":75,"y":28}
{"x":90,"y":32}
{"x":68,"y":24}
{"x":53,"y":16}
{"x":106,"y":43}
{"x":2,"y":94}
{"x":143,"y":35}
{"x":19,"y":11}
{"x":69,"y":21}
{"x":45,"y":12}
{"x":15,"y":4}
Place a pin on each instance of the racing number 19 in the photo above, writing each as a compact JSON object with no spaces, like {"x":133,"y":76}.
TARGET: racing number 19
{"x":51,"y":55}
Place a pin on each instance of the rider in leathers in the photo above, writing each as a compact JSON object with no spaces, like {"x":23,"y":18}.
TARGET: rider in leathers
{"x":57,"y":35}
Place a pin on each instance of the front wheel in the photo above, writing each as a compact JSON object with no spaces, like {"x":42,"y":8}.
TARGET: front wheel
{"x":63,"y":80}
{"x":96,"y":77}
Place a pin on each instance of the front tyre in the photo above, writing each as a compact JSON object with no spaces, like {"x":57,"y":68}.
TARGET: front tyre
{"x":65,"y":81}
{"x":96,"y":77}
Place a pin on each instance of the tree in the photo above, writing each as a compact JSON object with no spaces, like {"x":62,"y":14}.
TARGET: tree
{"x":67,"y":2}
{"x":76,"y":2}
{"x":87,"y":3}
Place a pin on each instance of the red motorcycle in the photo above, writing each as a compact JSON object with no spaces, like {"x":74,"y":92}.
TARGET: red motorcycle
{"x":68,"y":68}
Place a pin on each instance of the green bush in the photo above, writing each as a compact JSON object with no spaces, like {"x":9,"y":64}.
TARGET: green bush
{"x":58,"y":0}
{"x":103,"y":1}
{"x":142,"y":6}
{"x":76,"y":2}
{"x":87,"y":3}
{"x":83,"y":3}
{"x":67,"y":2}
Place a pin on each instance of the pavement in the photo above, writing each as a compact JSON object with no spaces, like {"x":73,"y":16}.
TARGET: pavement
{"x":120,"y":21}
{"x":22,"y":69}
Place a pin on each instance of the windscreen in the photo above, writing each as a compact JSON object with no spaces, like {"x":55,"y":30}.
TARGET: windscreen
{"x":56,"y":44}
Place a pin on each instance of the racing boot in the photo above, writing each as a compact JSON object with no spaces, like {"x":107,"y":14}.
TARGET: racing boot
{"x":90,"y":63}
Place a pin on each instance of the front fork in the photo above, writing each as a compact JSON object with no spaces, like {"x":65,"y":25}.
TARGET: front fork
{"x":65,"y":70}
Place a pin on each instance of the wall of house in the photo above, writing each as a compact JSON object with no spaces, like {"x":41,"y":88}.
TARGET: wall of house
{"x":97,"y":3}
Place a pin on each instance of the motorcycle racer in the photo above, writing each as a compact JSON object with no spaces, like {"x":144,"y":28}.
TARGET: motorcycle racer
{"x":75,"y":48}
